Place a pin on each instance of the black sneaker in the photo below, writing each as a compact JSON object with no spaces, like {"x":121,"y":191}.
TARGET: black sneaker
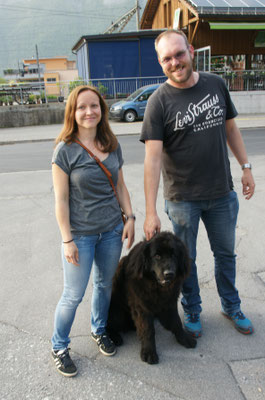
{"x":105,"y":344}
{"x":64,"y":363}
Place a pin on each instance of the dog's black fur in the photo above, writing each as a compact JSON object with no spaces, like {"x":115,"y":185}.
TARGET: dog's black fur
{"x":146,"y":286}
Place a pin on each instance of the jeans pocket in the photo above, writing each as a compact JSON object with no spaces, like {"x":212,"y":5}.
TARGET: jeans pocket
{"x":118,"y":229}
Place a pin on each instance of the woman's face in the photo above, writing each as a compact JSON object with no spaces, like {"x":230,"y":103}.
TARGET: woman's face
{"x":88,"y":111}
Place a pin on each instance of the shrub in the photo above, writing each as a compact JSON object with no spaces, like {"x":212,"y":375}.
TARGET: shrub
{"x":77,"y":82}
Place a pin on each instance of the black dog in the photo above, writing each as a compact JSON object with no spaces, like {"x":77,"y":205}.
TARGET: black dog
{"x":146,"y":286}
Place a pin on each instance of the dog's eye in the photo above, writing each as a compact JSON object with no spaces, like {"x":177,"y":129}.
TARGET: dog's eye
{"x":157,"y":257}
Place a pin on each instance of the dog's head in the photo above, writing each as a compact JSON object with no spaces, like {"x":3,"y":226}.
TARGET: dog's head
{"x":164,"y":258}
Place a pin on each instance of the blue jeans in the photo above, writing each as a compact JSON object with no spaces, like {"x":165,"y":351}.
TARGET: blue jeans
{"x":219,"y":217}
{"x":103,"y":252}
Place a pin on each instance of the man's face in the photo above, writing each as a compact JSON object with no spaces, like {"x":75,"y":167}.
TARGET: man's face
{"x":176,"y":60}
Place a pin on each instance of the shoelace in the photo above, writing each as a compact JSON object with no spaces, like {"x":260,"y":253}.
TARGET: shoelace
{"x":193,"y":317}
{"x":105,"y":340}
{"x":65,"y":358}
{"x":238,"y":315}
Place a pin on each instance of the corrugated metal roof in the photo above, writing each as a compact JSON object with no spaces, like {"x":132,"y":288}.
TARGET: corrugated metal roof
{"x":236,"y":7}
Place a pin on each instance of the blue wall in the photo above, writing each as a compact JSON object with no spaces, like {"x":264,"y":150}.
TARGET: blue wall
{"x":149,"y":62}
{"x":115,"y":59}
{"x":118,"y":59}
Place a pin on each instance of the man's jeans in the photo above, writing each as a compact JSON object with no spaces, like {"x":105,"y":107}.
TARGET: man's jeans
{"x":219,"y":217}
{"x":103,"y":252}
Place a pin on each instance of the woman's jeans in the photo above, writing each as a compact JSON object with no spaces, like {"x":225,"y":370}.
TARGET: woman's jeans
{"x":219,"y":217}
{"x":103,"y":252}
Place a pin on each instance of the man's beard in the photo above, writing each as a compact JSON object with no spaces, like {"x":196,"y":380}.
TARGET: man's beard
{"x":183,"y":78}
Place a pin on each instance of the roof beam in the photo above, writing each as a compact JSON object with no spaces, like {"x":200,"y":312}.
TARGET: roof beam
{"x":190,"y":8}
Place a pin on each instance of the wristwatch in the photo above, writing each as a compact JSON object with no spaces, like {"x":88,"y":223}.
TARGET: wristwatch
{"x":247,"y":165}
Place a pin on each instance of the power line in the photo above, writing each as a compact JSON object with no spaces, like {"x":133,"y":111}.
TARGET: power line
{"x":98,"y":17}
{"x":55,"y":12}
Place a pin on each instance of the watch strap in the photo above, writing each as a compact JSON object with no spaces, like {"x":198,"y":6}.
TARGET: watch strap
{"x":246,"y":165}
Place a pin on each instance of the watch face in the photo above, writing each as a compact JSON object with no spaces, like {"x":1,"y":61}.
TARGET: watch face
{"x":247,"y":165}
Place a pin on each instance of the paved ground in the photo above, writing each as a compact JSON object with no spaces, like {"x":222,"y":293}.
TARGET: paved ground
{"x":225,"y":365}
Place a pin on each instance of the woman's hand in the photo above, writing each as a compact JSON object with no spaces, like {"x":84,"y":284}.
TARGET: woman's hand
{"x":128,"y":232}
{"x":71,"y":253}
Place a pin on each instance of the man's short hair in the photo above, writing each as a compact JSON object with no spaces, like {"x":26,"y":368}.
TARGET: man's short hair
{"x":169,"y":32}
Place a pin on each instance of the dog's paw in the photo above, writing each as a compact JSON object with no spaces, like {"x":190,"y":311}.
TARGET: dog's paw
{"x":187,"y":340}
{"x":149,"y":356}
{"x":191,"y":342}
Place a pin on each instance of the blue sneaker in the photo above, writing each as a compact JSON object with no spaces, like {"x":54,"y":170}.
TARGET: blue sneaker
{"x":241,"y":322}
{"x":192,"y":324}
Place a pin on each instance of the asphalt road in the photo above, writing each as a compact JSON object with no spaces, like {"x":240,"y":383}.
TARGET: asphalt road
{"x":37,"y":155}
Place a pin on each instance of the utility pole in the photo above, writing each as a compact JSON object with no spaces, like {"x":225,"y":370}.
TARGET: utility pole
{"x":38,"y":64}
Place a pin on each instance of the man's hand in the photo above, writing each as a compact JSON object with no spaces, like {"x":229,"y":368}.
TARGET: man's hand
{"x":152,"y":225}
{"x":248,"y":183}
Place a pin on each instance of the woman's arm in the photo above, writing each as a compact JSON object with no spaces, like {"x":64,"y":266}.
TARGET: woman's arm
{"x":61,"y":191}
{"x":125,"y":203}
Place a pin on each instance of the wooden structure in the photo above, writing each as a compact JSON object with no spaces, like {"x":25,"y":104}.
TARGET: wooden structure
{"x":232,"y":27}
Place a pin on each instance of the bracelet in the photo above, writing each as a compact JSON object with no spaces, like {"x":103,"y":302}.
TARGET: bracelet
{"x":69,"y":241}
{"x":132,"y":216}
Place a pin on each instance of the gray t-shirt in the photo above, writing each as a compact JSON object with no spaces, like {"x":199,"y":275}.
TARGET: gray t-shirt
{"x":191,"y":124}
{"x":93,"y":205}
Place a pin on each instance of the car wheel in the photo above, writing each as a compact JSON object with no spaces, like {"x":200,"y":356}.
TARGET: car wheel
{"x":130,"y":116}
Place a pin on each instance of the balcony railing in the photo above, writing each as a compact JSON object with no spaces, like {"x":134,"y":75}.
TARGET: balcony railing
{"x":243,"y":80}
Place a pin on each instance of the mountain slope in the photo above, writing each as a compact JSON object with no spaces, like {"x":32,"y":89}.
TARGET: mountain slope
{"x":55,"y":26}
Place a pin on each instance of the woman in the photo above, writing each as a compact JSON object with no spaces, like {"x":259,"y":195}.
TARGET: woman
{"x":89,"y":218}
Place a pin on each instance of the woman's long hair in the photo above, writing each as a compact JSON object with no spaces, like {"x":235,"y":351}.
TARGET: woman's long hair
{"x":104,"y":134}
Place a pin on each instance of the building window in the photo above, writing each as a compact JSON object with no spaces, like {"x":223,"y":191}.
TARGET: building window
{"x":51,"y":79}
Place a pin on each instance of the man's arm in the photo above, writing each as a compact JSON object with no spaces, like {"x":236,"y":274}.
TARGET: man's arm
{"x":237,"y":146}
{"x":152,"y":169}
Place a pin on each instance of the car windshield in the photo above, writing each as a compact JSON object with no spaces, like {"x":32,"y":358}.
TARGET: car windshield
{"x":134,"y":95}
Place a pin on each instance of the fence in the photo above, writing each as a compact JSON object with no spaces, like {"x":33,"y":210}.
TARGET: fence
{"x":119,"y":88}
{"x":243,"y":80}
{"x":115,"y":89}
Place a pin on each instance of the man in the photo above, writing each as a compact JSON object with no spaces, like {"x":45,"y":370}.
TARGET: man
{"x":188,"y":122}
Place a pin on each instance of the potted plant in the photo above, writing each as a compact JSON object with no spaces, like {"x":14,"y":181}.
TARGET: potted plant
{"x":61,"y":87}
{"x":31,"y":98}
{"x":51,"y":98}
{"x":77,"y":82}
{"x":102,"y":89}
{"x":229,"y":75}
{"x":38,"y":98}
{"x":42,"y":97}
{"x":5,"y":100}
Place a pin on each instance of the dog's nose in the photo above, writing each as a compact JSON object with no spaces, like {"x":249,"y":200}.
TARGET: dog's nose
{"x":169,"y":274}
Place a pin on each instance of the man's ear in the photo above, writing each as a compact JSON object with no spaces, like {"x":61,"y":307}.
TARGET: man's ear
{"x":191,"y":50}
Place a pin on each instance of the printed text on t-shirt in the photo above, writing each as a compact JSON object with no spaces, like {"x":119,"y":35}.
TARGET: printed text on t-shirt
{"x":209,"y":106}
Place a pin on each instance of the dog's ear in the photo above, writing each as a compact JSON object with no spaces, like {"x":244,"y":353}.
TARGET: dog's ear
{"x":137,"y":261}
{"x":183,"y":259}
